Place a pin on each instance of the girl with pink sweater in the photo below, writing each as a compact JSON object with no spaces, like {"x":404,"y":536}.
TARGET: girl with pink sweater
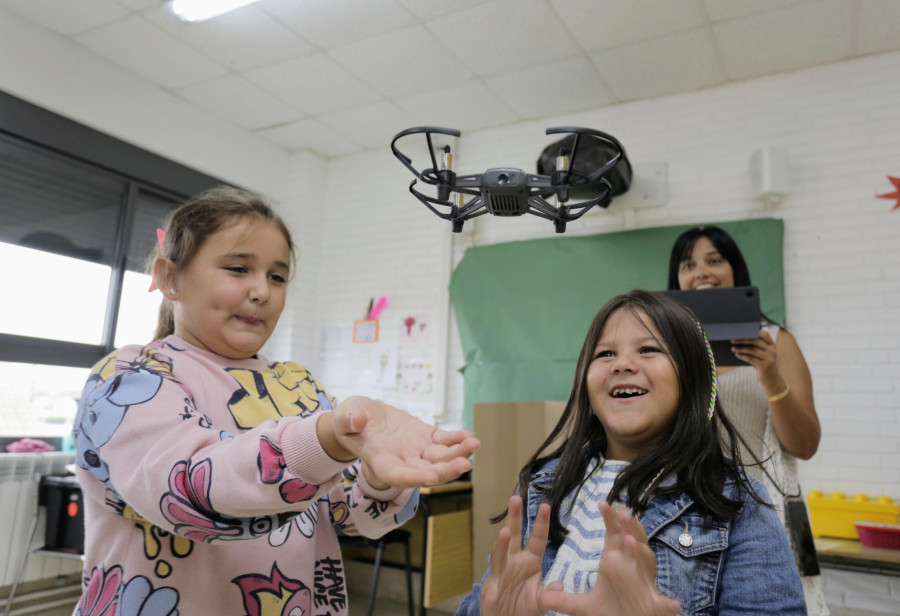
{"x":214,"y":478}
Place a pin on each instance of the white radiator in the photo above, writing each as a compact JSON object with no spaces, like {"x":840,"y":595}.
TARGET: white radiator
{"x":19,"y":476}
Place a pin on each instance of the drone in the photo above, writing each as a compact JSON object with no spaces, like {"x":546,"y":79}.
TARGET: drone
{"x":506,"y":191}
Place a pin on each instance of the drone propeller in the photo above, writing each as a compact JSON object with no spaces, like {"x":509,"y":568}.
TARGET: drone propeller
{"x":507,"y":191}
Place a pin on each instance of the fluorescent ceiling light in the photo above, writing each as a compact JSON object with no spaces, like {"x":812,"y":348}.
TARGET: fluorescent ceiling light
{"x":198,"y":10}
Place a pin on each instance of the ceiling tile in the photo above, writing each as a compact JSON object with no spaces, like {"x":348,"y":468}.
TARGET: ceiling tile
{"x":879,"y":26}
{"x":466,"y":107}
{"x":719,"y":10}
{"x":612,"y":23}
{"x":314,"y":84}
{"x":403,"y":62}
{"x":147,"y":51}
{"x":553,"y":89}
{"x":788,"y":39}
{"x":426,"y":9}
{"x":139,"y":5}
{"x":340,"y":76}
{"x":372,"y":126}
{"x":505,"y":35}
{"x":67,"y":17}
{"x":235,"y":99}
{"x":329,"y":24}
{"x":242,"y":39}
{"x":676,"y":63}
{"x":311,"y":135}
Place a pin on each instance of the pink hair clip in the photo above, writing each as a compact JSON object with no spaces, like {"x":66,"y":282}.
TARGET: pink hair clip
{"x":161,"y":240}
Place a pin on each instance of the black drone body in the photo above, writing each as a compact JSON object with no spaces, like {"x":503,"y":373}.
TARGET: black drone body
{"x":507,"y":191}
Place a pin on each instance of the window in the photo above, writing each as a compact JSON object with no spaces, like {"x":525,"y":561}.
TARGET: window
{"x":80,"y":212}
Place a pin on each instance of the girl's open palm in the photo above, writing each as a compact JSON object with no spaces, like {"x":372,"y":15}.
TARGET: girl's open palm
{"x":399,"y":449}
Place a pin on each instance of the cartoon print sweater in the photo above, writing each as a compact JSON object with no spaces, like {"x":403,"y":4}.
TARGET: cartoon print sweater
{"x":207,"y":492}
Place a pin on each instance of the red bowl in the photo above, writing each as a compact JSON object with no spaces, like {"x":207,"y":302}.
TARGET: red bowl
{"x":879,"y":535}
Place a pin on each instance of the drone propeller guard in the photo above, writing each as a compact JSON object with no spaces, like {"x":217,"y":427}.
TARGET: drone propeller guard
{"x":507,"y":191}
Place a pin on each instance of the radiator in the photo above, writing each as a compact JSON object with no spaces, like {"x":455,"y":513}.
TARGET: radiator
{"x":19,"y":476}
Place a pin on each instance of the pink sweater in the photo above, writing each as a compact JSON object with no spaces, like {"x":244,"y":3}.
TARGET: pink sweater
{"x":207,"y":491}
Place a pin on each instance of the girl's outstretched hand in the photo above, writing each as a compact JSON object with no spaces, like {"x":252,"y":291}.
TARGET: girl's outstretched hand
{"x":398,"y":449}
{"x":514,"y":582}
{"x":626,"y":578}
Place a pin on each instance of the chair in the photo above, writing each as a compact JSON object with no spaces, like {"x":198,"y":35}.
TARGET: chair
{"x":397,"y":535}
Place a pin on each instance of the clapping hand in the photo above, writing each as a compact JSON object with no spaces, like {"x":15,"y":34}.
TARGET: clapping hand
{"x":514,"y":582}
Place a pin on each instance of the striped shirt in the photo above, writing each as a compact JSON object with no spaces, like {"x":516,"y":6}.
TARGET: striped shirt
{"x":579,"y":556}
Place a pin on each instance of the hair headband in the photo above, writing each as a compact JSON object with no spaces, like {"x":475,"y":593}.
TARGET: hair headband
{"x":712,"y":399}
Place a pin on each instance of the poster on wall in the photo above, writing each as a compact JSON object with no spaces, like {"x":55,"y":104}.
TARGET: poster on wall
{"x":415,"y":329}
{"x":365,"y":330}
{"x":335,"y":346}
{"x":416,"y":377}
{"x":383,"y":372}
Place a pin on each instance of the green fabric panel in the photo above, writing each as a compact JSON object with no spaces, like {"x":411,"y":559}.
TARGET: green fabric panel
{"x":523,"y":308}
{"x":529,"y":380}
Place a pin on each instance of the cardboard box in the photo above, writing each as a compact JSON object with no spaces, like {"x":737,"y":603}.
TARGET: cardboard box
{"x":449,"y":558}
{"x":510,"y":432}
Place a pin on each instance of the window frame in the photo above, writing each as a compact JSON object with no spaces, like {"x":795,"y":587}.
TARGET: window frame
{"x":140,"y":170}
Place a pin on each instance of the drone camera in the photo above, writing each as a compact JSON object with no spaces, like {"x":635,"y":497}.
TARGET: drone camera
{"x":505,"y":191}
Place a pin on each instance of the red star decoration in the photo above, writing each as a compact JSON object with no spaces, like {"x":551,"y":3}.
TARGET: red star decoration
{"x":893,"y":195}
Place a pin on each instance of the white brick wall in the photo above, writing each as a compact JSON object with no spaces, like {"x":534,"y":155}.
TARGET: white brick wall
{"x":839,"y":126}
{"x":862,"y":591}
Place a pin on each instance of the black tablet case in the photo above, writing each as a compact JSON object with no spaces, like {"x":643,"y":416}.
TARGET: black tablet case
{"x":727,"y":314}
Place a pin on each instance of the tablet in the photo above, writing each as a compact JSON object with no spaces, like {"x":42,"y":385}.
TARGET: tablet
{"x":727,"y":314}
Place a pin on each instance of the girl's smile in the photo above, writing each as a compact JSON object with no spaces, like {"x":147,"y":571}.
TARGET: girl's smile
{"x":632,"y":384}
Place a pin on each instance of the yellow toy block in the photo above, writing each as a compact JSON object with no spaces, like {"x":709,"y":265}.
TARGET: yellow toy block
{"x":836,"y":515}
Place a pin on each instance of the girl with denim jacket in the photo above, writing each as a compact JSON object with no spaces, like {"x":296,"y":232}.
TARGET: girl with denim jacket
{"x":642,"y":510}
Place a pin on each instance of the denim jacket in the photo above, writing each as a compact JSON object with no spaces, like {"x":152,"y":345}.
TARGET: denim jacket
{"x":742,"y":566}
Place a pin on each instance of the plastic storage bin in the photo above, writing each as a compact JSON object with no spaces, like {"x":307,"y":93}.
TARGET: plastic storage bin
{"x":837,"y":515}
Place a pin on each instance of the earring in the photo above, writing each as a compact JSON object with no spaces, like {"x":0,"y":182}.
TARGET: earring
{"x":171,"y":291}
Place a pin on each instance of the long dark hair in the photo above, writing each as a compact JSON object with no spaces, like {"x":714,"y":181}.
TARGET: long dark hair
{"x":724,"y":243}
{"x":700,"y":451}
{"x":192,"y":223}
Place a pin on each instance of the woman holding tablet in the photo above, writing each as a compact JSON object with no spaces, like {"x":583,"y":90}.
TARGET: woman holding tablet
{"x":769,"y":401}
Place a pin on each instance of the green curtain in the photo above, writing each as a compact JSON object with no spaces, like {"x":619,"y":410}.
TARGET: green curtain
{"x":523,"y":308}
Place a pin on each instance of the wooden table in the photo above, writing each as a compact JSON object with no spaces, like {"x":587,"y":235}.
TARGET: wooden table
{"x":851,"y":555}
